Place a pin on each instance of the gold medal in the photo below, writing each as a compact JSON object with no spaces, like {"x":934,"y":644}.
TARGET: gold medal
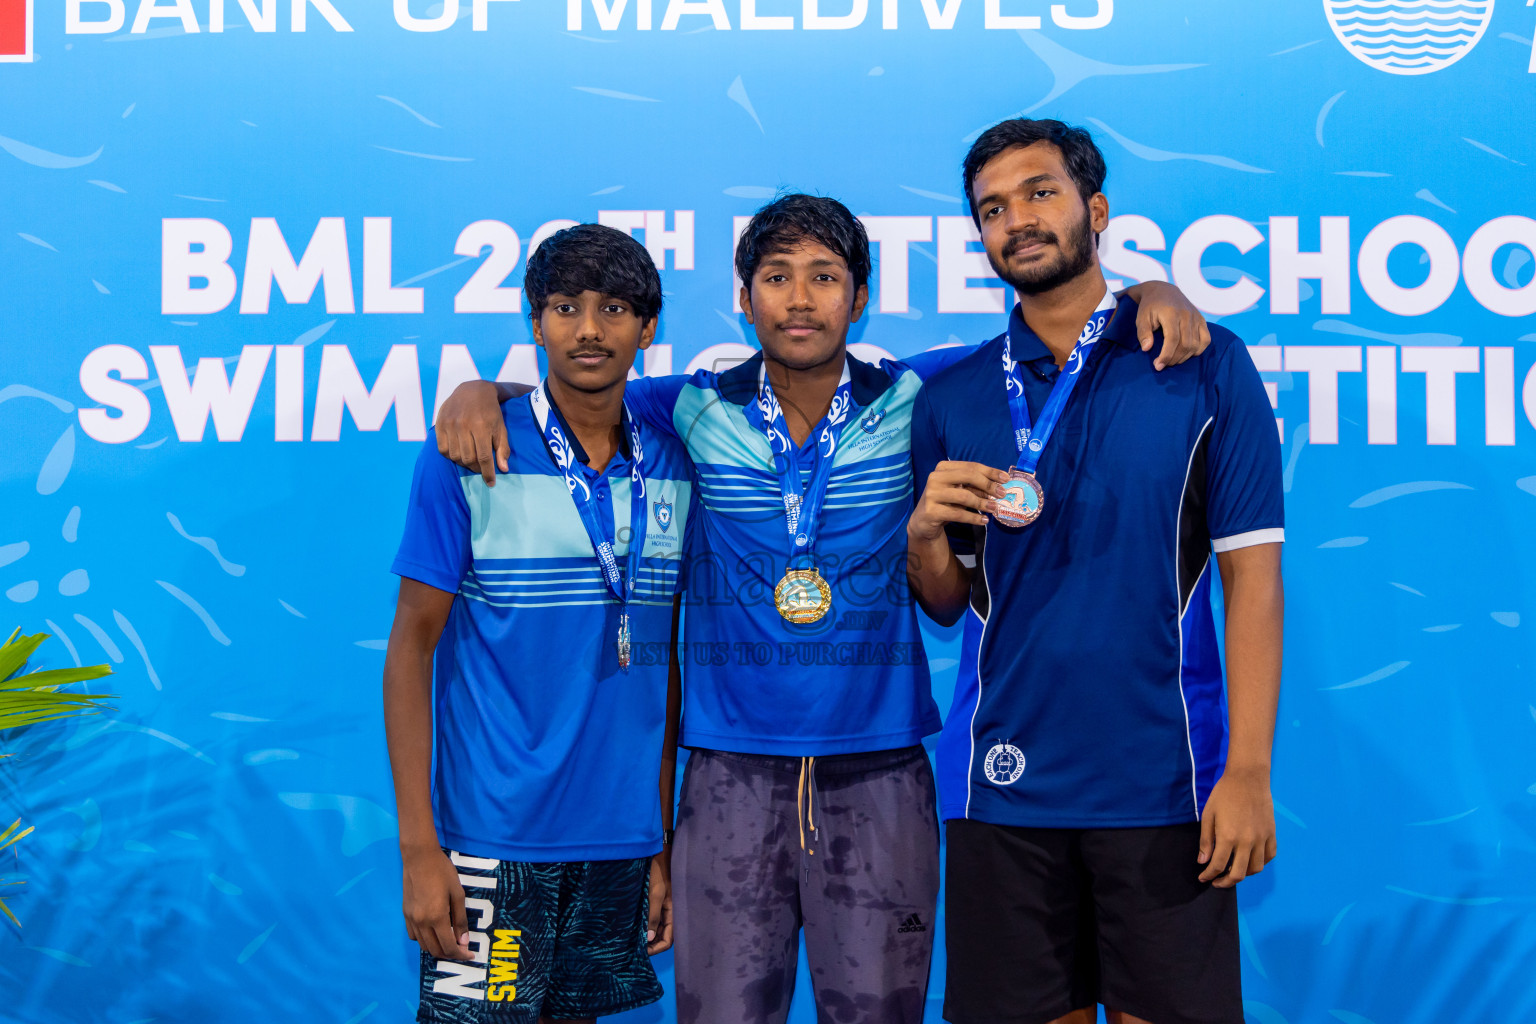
{"x":802,"y":596}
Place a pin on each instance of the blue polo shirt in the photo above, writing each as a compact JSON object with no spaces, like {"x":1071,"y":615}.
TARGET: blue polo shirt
{"x":854,"y":682}
{"x":544,"y":749}
{"x":1090,"y":692}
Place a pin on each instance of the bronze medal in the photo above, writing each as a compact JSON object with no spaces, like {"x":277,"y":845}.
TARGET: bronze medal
{"x":1022,"y":501}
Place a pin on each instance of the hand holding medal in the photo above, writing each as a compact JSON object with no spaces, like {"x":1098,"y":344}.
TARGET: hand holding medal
{"x":1022,"y":501}
{"x":955,"y":492}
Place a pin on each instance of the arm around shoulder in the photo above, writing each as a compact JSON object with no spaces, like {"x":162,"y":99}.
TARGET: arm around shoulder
{"x":471,"y":428}
{"x":1163,"y":307}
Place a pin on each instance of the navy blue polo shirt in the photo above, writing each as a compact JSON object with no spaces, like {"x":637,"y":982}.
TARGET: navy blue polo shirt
{"x":1090,"y":692}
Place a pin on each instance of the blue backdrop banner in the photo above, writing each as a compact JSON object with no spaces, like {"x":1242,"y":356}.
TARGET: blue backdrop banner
{"x":247,"y":247}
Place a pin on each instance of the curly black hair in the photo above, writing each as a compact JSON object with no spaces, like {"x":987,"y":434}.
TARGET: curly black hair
{"x":795,"y":218}
{"x":591,"y":257}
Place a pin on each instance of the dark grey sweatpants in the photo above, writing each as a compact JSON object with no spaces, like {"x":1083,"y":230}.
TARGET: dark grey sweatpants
{"x":863,"y":885}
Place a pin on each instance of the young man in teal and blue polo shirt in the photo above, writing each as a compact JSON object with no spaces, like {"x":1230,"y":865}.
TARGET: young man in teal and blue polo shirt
{"x":808,"y":801}
{"x":534,"y":774}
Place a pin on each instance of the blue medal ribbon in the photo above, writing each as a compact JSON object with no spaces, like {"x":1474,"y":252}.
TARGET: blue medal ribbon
{"x":599,"y":531}
{"x":1032,"y":439}
{"x":802,"y":501}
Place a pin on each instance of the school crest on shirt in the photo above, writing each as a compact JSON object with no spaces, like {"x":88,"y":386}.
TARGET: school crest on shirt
{"x":872,"y":421}
{"x":1004,"y":764}
{"x":662,"y":510}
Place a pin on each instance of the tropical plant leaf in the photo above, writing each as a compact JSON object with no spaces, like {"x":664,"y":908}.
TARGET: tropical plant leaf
{"x":18,"y":721}
{"x":6,"y":839}
{"x":46,"y":695}
{"x":30,"y":699}
{"x":9,"y":836}
{"x":15,"y":652}
{"x":55,"y":677}
{"x":39,"y":698}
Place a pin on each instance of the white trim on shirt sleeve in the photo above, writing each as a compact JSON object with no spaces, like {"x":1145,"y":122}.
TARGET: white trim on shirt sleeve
{"x":969,"y":561}
{"x":1248,"y":540}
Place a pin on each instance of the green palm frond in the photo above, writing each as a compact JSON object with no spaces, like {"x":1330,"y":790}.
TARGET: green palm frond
{"x":26,"y":699}
{"x":29,"y":698}
{"x":8,"y":837}
{"x":7,"y":910}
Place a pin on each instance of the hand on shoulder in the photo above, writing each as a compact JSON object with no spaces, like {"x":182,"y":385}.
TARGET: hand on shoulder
{"x":471,"y":430}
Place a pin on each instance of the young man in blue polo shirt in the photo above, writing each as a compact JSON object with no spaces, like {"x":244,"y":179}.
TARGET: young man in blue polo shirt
{"x":1098,"y":809}
{"x":533,"y":845}
{"x":808,"y":801}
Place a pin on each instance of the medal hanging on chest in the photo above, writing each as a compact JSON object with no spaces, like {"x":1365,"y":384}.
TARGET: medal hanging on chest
{"x":1023,"y":498}
{"x":600,"y":531}
{"x":803,"y":595}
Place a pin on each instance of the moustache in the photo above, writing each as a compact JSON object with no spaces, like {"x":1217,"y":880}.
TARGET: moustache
{"x":1018,"y":242}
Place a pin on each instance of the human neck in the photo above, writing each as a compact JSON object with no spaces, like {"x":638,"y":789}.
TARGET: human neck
{"x":1057,"y":316}
{"x":805,"y":395}
{"x":595,"y":417}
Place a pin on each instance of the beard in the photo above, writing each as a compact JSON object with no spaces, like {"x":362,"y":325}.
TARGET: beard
{"x":1071,"y":260}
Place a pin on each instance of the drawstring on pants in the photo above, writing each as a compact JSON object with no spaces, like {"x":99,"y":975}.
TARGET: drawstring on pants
{"x":808,"y":799}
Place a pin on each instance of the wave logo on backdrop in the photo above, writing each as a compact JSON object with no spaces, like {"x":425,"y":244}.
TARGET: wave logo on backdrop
{"x":15,"y":31}
{"x":1409,"y":37}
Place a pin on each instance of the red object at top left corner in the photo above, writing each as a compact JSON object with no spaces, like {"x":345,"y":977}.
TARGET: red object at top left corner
{"x":15,"y":29}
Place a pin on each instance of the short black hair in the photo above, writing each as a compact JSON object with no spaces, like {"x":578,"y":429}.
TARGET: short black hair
{"x":795,"y":218}
{"x":591,"y":257}
{"x":1084,"y":162}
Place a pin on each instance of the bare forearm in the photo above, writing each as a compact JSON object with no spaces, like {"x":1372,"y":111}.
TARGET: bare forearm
{"x":1255,"y":624}
{"x":940,"y":583}
{"x":408,"y":729}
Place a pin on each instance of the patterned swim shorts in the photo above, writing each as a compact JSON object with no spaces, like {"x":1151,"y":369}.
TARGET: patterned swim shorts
{"x":561,"y":941}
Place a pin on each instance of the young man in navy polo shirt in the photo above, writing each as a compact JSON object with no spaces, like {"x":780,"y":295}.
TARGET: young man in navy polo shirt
{"x":526,"y":774}
{"x":808,"y":801}
{"x":1099,"y":811}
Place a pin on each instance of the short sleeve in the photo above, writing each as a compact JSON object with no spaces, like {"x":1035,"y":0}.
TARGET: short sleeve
{"x":652,"y":399}
{"x":1244,"y":492}
{"x":927,"y":364}
{"x":927,"y":452}
{"x":435,"y":548}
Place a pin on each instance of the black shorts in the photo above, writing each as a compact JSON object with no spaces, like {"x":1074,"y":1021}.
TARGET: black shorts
{"x":1040,"y":922}
{"x":563,"y":941}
